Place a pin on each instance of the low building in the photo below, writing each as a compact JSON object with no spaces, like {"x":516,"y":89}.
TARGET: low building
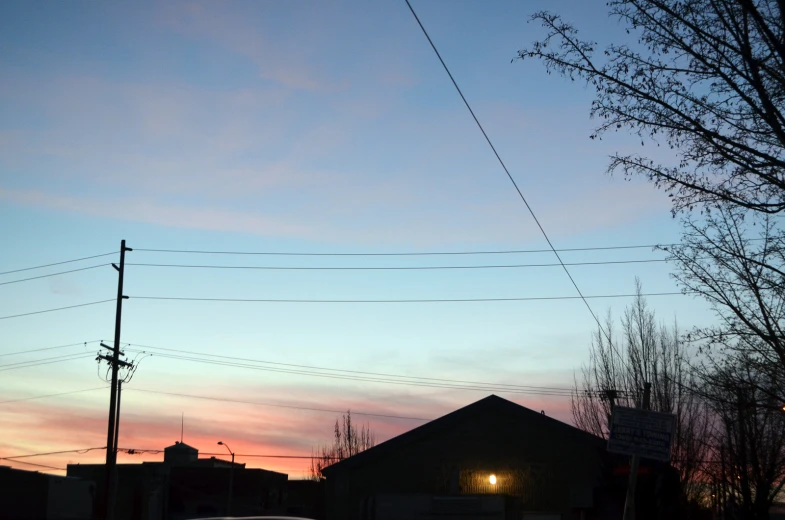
{"x":491,"y":459}
{"x":184,"y":486}
{"x":305,"y":498}
{"x":30,"y":495}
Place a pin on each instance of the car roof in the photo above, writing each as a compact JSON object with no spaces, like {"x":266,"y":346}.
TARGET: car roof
{"x":255,"y":518}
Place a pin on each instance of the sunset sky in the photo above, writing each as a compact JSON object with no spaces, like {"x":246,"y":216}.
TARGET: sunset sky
{"x":305,"y":127}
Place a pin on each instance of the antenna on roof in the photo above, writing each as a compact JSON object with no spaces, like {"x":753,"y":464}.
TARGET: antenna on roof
{"x":182,"y":425}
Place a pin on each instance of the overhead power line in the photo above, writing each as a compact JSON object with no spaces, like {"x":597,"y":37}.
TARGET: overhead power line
{"x":272,"y":405}
{"x":393,"y":268}
{"x":370,"y":379}
{"x":34,"y":464}
{"x":58,"y":263}
{"x":28,"y":455}
{"x":53,"y":395}
{"x":429,"y":300}
{"x":507,"y":171}
{"x":264,"y":456}
{"x":360,"y":372}
{"x":134,"y":451}
{"x":365,"y":379}
{"x":405,"y":253}
{"x":45,"y":361}
{"x":85,"y":343}
{"x":433,"y":300}
{"x":54,"y":274}
{"x":54,"y":310}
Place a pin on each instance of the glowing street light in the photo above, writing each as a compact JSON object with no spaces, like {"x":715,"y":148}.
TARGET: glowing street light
{"x":492,"y":480}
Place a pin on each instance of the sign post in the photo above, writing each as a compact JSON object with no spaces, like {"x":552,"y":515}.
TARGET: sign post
{"x":643,"y":433}
{"x":639,"y":432}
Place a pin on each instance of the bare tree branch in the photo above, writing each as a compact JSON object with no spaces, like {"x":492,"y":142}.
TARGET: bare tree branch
{"x":707,"y":76}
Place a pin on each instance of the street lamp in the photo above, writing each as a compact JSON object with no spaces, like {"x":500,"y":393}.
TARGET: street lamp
{"x":231,"y":478}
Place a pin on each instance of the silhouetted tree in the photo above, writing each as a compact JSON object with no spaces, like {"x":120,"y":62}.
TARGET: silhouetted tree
{"x":645,"y":351}
{"x":348,"y":440}
{"x":705,"y":77}
{"x":708,"y":78}
{"x":735,"y":259}
{"x":747,"y":457}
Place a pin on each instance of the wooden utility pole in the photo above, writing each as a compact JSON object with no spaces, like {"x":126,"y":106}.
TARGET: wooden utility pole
{"x":114,"y":396}
{"x":610,"y":394}
{"x":112,"y":492}
{"x":117,"y":416}
{"x":629,"y":504}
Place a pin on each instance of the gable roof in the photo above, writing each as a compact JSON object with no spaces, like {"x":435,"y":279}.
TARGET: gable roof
{"x":490,"y":403}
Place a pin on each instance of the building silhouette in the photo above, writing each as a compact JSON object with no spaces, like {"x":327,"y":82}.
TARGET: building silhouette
{"x":492,"y":459}
{"x":185,"y":486}
{"x":30,"y":495}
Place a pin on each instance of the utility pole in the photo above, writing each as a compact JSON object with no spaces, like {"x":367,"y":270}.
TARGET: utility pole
{"x":115,"y":362}
{"x":611,"y":394}
{"x":629,"y":504}
{"x":112,"y":492}
{"x":117,"y":416}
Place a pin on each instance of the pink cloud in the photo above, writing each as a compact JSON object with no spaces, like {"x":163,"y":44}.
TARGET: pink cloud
{"x":289,"y":66}
{"x":378,"y":218}
{"x":151,"y":422}
{"x":145,"y":211}
{"x":198,"y":183}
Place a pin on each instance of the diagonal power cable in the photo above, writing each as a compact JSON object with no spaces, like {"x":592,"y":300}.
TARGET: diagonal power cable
{"x":45,"y":361}
{"x":58,"y":263}
{"x":53,"y":395}
{"x":54,"y":274}
{"x":55,"y":309}
{"x":30,"y":351}
{"x":35,"y":464}
{"x":340,"y":370}
{"x":504,"y":167}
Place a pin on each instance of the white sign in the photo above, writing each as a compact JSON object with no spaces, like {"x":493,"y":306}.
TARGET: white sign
{"x":641,"y":432}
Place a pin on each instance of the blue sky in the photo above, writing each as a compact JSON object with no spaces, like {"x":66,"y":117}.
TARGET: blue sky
{"x":302,"y":127}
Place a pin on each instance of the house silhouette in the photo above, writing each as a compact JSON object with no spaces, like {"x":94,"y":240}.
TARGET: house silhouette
{"x":490,"y":459}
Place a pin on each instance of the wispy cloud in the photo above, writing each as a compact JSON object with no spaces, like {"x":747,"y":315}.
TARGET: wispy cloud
{"x":150,"y":423}
{"x":61,"y":285}
{"x":292,"y":66}
{"x":150,"y":212}
{"x":345,"y":220}
{"x":251,"y":159}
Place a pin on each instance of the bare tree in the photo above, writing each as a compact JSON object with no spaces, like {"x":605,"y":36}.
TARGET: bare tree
{"x":645,"y":351}
{"x":707,"y":79}
{"x":348,"y":440}
{"x":736,"y":261}
{"x":704,"y":77}
{"x":747,"y":443}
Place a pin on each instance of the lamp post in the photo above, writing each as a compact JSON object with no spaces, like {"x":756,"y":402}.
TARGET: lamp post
{"x":231,"y":478}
